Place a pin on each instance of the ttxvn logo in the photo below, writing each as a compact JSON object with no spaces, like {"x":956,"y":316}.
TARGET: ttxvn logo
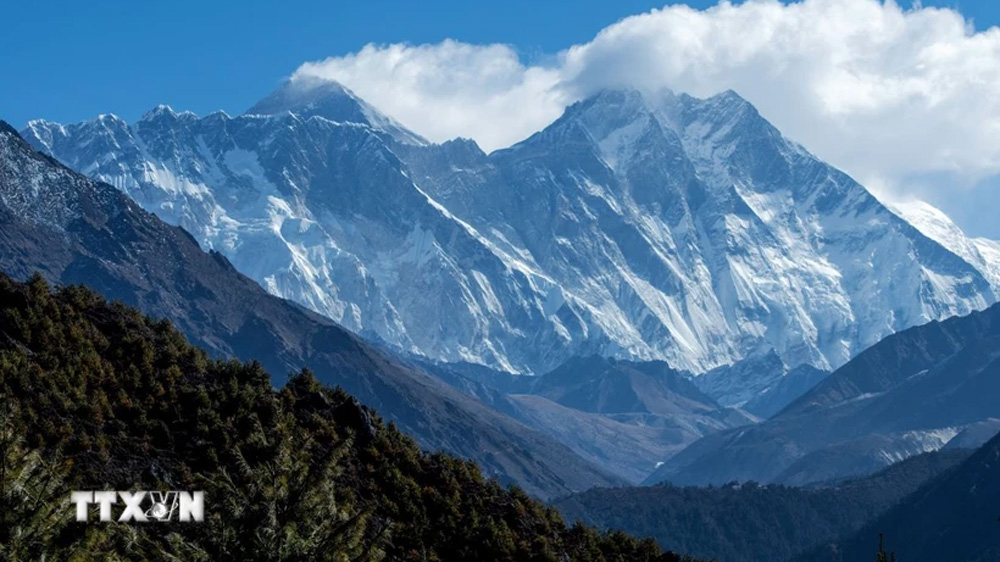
{"x":141,"y":506}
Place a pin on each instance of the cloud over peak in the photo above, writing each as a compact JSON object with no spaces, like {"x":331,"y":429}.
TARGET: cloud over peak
{"x":885,"y":92}
{"x":451,"y":89}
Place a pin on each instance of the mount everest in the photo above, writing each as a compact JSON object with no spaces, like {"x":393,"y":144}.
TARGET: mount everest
{"x":640,"y":226}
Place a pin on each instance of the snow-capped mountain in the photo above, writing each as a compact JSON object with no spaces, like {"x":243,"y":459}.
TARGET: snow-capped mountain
{"x":73,"y":230}
{"x":639,"y":226}
{"x":700,"y":235}
{"x":981,"y":253}
{"x":322,"y":212}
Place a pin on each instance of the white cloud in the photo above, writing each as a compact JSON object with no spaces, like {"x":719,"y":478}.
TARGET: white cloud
{"x":884,"y":92}
{"x":452,"y":89}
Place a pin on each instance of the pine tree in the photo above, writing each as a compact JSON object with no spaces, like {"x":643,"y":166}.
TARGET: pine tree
{"x":881,"y":555}
{"x":289,"y":507}
{"x":32,"y":493}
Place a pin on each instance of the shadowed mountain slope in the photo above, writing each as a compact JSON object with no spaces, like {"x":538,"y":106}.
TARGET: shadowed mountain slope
{"x":76,"y":230}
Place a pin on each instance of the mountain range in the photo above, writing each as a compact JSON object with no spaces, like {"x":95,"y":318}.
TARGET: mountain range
{"x":655,"y":288}
{"x":642,"y":226}
{"x":623,"y":416}
{"x":74,"y":230}
{"x":914,"y":391}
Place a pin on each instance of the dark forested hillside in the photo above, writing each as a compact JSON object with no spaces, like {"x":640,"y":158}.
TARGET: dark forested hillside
{"x":955,"y":517}
{"x":750,"y":522}
{"x":97,"y":396}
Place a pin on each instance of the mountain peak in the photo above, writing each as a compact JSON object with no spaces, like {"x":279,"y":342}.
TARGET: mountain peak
{"x":7,"y":129}
{"x":615,"y":96}
{"x":594,"y":118}
{"x":310,"y":96}
{"x":623,"y":125}
{"x":729,"y":96}
{"x":161,"y":111}
{"x":103,"y":117}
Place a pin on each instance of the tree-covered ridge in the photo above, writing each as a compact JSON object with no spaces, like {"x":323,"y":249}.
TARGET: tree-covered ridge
{"x":97,"y":396}
{"x":750,"y":522}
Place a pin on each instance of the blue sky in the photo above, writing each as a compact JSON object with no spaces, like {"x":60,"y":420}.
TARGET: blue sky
{"x":905,"y":126}
{"x":69,"y":60}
